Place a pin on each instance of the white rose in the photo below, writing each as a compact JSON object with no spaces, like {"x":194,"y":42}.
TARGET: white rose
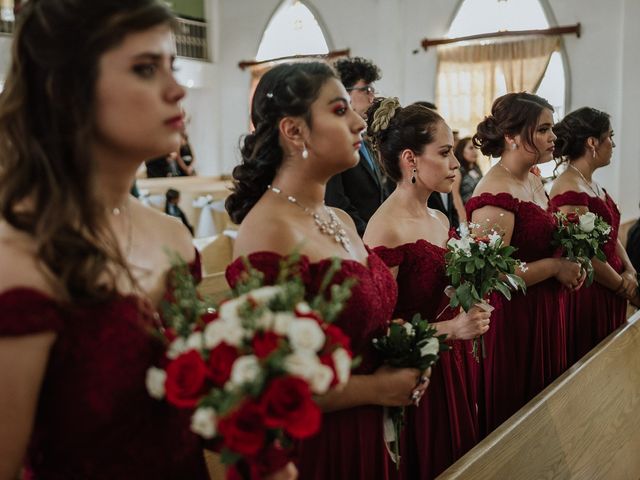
{"x":265,"y":294}
{"x":494,"y":238}
{"x":453,"y":243}
{"x":220,"y":331}
{"x":301,"y":365}
{"x":245,"y":370}
{"x":430,"y":348}
{"x":321,"y":378}
{"x":342,"y":363}
{"x":281,"y":322}
{"x":195,"y":341}
{"x":303,"y":308}
{"x":409,"y":328}
{"x":155,"y":382}
{"x":177,"y":348}
{"x":587,"y":222}
{"x":203,"y":422}
{"x":265,"y":322}
{"x":305,"y":334}
{"x":464,"y":244}
{"x":228,"y":311}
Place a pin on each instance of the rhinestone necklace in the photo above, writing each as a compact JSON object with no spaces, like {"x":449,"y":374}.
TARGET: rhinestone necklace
{"x":589,"y":184}
{"x":331,"y":227}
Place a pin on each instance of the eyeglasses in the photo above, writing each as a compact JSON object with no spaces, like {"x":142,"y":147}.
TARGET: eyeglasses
{"x":368,"y":89}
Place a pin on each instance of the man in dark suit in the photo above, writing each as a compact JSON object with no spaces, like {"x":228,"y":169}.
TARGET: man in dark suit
{"x":360,"y":190}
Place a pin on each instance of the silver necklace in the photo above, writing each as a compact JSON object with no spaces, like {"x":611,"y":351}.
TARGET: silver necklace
{"x":589,"y":184}
{"x":530,"y":189}
{"x":332,"y":227}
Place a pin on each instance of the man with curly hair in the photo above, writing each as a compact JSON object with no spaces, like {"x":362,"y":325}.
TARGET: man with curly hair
{"x":360,"y":190}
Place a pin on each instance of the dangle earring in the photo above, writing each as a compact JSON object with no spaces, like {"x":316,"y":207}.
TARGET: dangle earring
{"x":413,"y":176}
{"x":514,"y":146}
{"x":305,"y":152}
{"x":593,"y":153}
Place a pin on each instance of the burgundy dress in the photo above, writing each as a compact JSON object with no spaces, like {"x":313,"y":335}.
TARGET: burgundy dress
{"x":445,"y":424}
{"x":593,"y":312}
{"x":526,"y":344}
{"x":350,"y":444}
{"x":95,"y":419}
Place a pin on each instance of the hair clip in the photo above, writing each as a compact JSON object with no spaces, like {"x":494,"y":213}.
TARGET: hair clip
{"x":269,"y":95}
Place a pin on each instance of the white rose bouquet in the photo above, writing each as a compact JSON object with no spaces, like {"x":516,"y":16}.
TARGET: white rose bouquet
{"x":248,"y":369}
{"x":581,"y":237}
{"x":478,"y":265}
{"x":411,"y":344}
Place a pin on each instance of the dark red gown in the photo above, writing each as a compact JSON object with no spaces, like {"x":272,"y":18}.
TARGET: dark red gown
{"x":350,"y":444}
{"x":526,"y":344}
{"x":445,"y":424}
{"x":593,"y":312}
{"x":95,"y":418}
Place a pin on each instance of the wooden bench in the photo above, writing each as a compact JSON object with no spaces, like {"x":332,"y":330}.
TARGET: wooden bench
{"x":586,"y":425}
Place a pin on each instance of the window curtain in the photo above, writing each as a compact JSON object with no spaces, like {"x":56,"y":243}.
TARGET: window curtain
{"x":470,"y":77}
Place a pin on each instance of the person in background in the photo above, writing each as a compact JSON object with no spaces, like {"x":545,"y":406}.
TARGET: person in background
{"x":584,"y":144}
{"x":360,"y":190}
{"x":185,"y":159}
{"x":470,"y":172}
{"x":171,"y":208}
{"x":633,"y":245}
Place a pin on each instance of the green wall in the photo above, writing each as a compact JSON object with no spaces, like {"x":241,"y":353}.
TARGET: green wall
{"x":188,"y":8}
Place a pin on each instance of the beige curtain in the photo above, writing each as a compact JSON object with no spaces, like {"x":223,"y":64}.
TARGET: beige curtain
{"x":470,"y":77}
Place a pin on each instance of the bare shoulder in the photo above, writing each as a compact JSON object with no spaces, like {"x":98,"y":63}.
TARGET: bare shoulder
{"x":163,"y":231}
{"x":563,"y":183}
{"x":442,"y":218}
{"x":266,"y":231}
{"x":385,"y":229}
{"x":19,"y":263}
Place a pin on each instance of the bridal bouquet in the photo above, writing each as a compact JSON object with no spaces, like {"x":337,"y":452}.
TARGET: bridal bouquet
{"x":581,"y":238}
{"x":249,"y":369}
{"x":478,"y":265}
{"x":411,"y":344}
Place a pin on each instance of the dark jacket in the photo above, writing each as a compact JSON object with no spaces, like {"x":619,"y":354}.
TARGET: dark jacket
{"x":358,"y":191}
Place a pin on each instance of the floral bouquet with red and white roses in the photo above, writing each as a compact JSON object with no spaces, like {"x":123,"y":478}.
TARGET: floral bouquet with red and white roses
{"x":250,"y":368}
{"x":479,"y":264}
{"x":581,"y":238}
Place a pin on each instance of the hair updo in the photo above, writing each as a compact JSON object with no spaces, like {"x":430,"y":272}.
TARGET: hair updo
{"x":287,"y":90}
{"x":574,"y":130}
{"x":511,"y":114}
{"x":394,"y":129}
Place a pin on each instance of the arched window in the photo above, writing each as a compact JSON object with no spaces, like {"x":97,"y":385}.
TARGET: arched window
{"x":472,"y":75}
{"x":292,"y":30}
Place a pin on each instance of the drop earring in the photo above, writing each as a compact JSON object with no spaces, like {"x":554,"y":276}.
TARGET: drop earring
{"x":413,"y":176}
{"x":305,"y":152}
{"x":514,"y":145}
{"x":593,"y":153}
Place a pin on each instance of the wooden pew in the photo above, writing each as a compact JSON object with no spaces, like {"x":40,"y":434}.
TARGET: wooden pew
{"x":586,"y":425}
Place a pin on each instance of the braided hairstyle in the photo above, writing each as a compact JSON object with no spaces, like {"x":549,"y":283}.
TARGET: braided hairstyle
{"x":287,"y":90}
{"x":574,"y":130}
{"x":394,"y":129}
{"x":511,"y":114}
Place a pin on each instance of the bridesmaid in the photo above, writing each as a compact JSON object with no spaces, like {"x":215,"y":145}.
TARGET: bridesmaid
{"x":416,"y":150}
{"x":89,"y":96}
{"x":526,"y":346}
{"x":305,"y":133}
{"x":584,"y":144}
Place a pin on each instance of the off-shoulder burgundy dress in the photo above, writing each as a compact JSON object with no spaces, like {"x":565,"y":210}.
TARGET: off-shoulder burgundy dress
{"x":350,"y":444}
{"x":526,"y":344}
{"x":445,"y":424}
{"x":95,"y":419}
{"x":593,"y":312}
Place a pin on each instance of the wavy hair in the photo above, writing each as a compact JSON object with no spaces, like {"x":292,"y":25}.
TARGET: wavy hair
{"x":575,"y":128}
{"x":287,"y":90}
{"x":47,"y":124}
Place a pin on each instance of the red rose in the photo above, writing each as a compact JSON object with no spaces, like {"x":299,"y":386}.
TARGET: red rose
{"x":207,"y":318}
{"x":221,"y":360}
{"x":244,"y":431}
{"x":264,"y":343}
{"x":573,"y":217}
{"x":186,"y":377}
{"x":287,"y":404}
{"x":270,"y":460}
{"x":337,"y":337}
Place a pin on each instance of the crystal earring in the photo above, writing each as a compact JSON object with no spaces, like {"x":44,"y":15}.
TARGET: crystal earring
{"x":514,"y":146}
{"x":413,"y":176}
{"x":305,"y":152}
